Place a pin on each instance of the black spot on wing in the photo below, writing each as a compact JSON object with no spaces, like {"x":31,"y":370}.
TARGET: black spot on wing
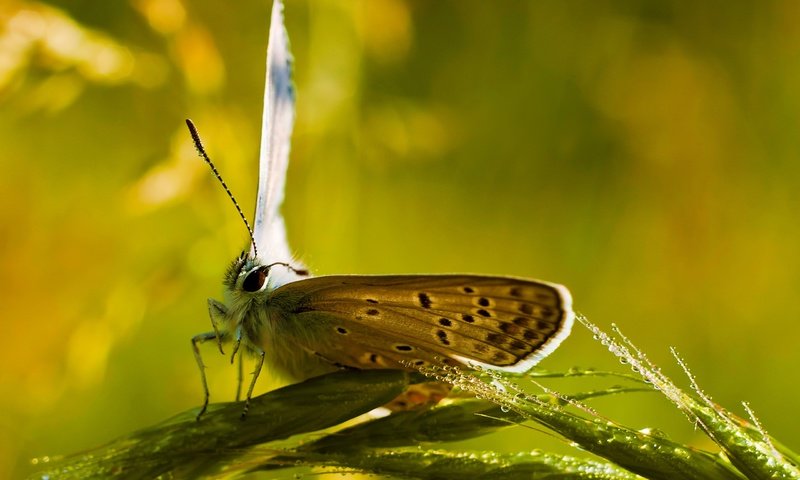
{"x":495,"y":338}
{"x":424,"y":300}
{"x":522,"y":322}
{"x":519,"y":345}
{"x":500,"y":358}
{"x":509,"y":328}
{"x":531,"y":335}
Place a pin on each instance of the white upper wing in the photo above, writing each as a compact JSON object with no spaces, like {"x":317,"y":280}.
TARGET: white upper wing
{"x":276,"y":133}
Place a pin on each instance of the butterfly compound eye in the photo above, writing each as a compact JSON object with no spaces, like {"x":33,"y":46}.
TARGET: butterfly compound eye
{"x":254,"y":280}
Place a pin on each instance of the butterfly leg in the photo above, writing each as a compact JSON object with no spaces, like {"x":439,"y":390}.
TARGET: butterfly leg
{"x":196,"y":340}
{"x":240,"y":378}
{"x":237,"y":342}
{"x":256,"y":372}
{"x":217,"y":310}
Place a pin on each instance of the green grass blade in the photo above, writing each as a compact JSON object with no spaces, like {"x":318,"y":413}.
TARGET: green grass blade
{"x":186,"y":448}
{"x":748,"y":449}
{"x":439,"y":465}
{"x":462,"y":419}
{"x":642,"y":453}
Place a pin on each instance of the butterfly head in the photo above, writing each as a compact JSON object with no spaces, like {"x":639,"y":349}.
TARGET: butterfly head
{"x":249,"y":276}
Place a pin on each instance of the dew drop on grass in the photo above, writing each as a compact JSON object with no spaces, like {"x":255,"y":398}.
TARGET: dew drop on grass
{"x":653,"y":432}
{"x":681,"y":452}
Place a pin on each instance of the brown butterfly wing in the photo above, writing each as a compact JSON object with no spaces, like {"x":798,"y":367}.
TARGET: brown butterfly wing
{"x":504,"y":323}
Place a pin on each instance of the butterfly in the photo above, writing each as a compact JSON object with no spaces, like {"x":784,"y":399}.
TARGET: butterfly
{"x":302,"y":326}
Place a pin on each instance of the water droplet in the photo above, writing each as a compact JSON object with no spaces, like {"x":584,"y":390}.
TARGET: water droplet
{"x":681,"y":452}
{"x":653,"y":432}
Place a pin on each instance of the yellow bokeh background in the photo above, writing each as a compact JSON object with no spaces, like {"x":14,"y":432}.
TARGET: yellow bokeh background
{"x":644,"y":154}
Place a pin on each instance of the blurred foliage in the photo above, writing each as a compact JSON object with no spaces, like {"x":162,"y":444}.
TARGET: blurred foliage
{"x":639,"y":152}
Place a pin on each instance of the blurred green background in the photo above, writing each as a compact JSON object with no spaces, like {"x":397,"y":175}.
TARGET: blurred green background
{"x":644,"y":154}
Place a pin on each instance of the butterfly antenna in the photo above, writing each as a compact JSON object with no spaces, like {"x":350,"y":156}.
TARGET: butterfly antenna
{"x":202,"y":152}
{"x":300,"y":271}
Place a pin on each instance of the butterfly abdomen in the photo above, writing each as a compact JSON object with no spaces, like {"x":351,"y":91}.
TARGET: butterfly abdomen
{"x":289,"y":345}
